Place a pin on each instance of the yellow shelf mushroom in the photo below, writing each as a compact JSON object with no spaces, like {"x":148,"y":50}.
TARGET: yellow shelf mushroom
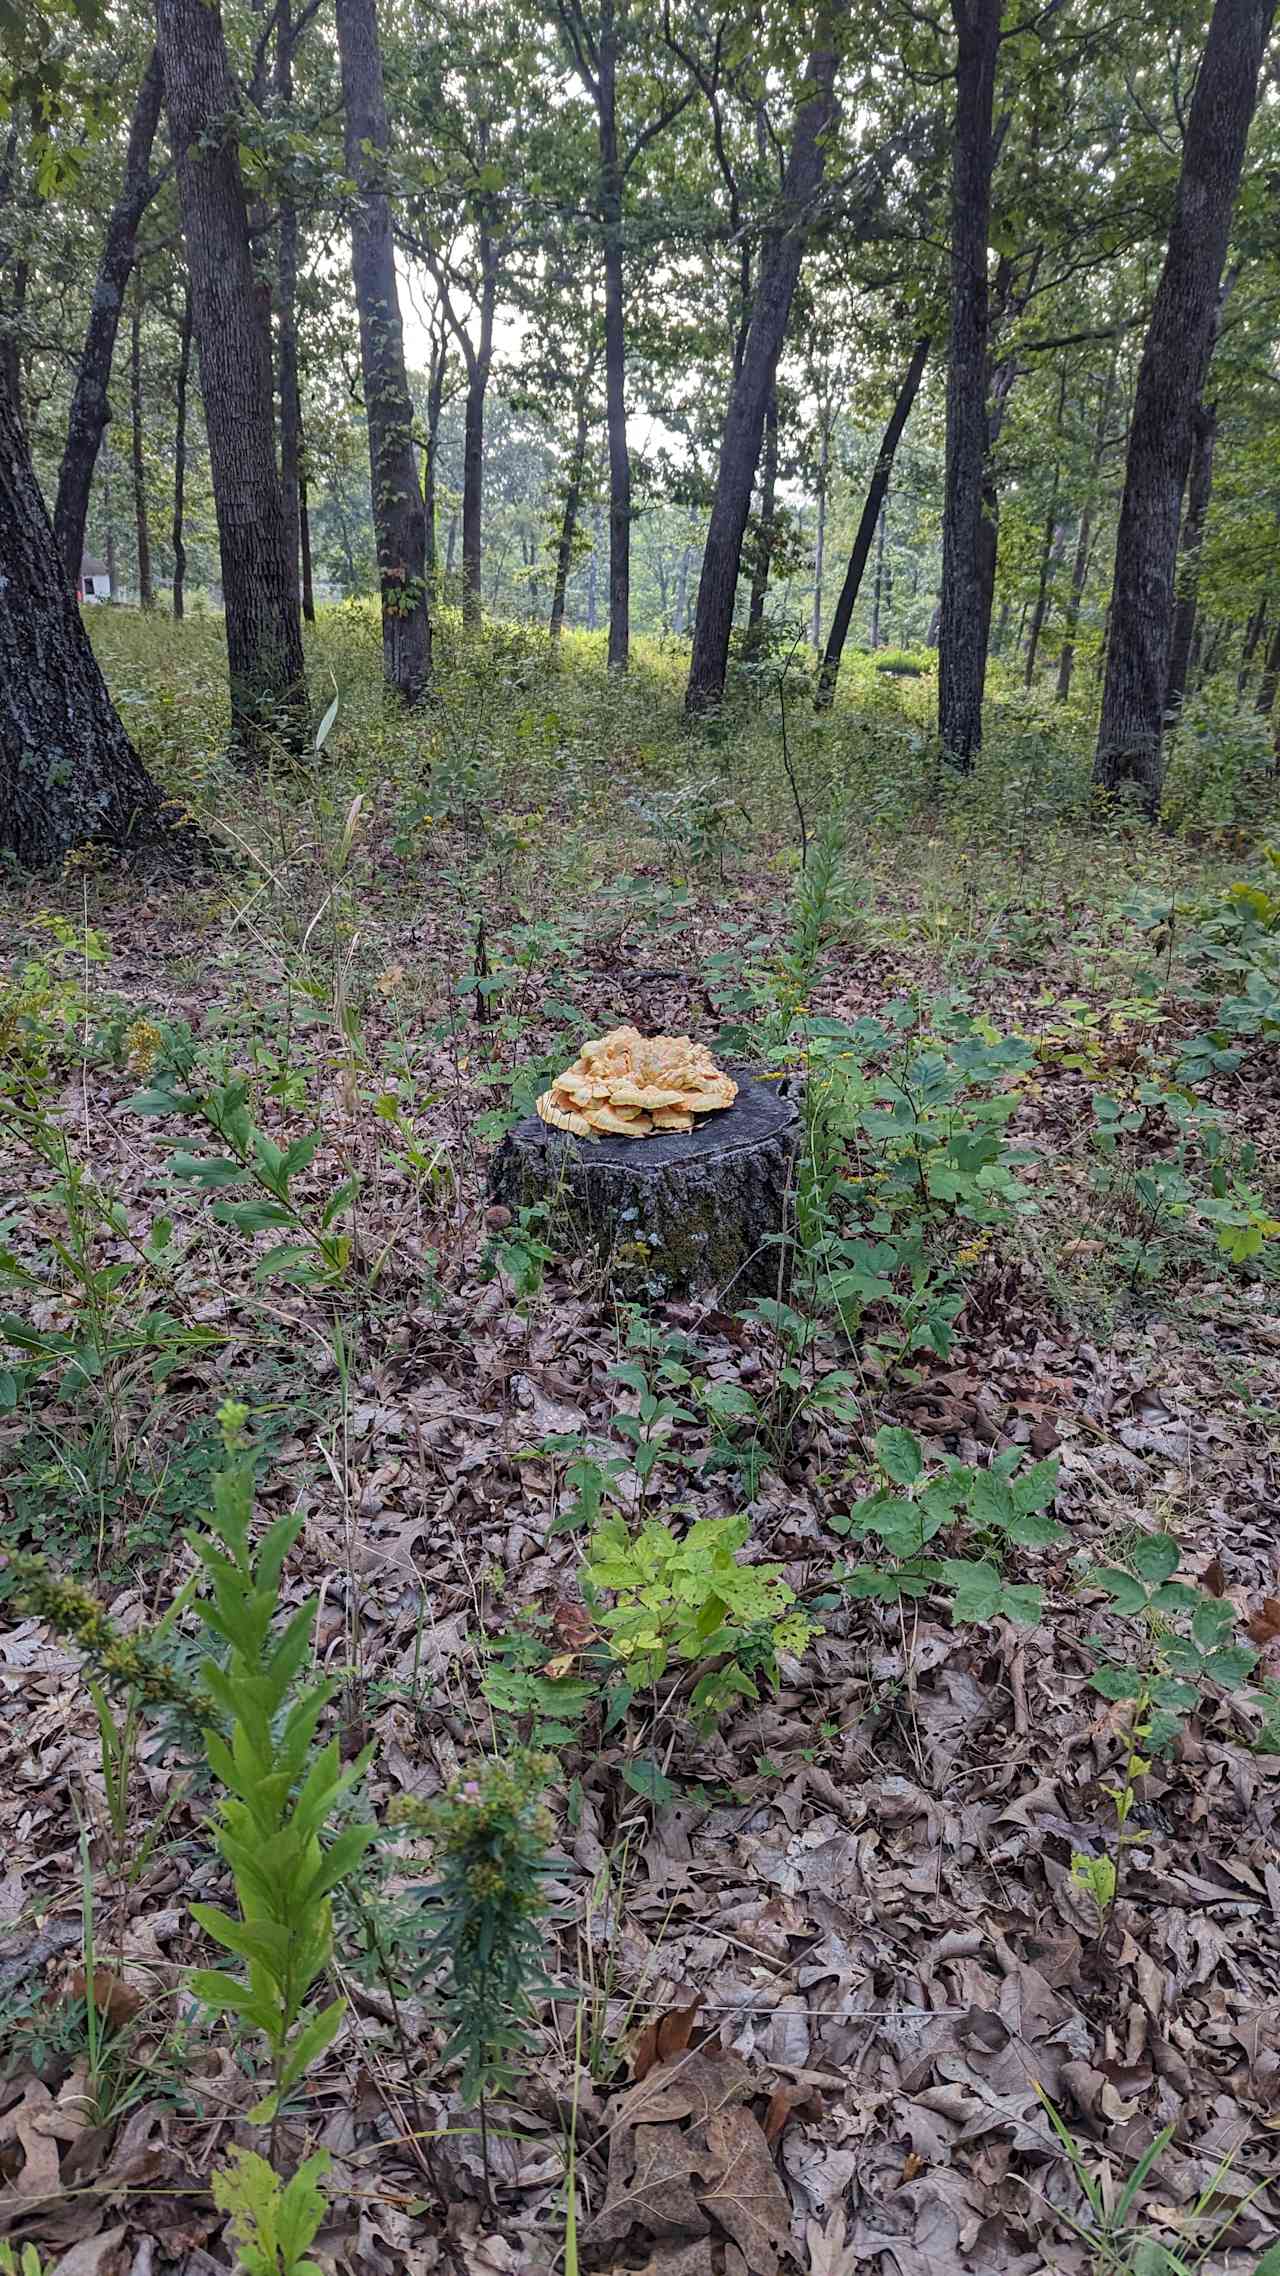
{"x":628,"y":1085}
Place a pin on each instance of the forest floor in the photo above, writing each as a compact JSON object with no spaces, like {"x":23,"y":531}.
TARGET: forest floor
{"x":842,"y":1984}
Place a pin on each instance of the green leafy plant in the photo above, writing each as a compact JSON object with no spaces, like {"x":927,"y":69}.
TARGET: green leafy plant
{"x":690,"y":1598}
{"x":272,"y":2223}
{"x":998,"y":1509}
{"x":1183,"y":1640}
{"x":279,"y":1790}
{"x":313,"y":1249}
{"x":526,"y":1677}
{"x":489,"y":1834}
{"x":517,"y":1246}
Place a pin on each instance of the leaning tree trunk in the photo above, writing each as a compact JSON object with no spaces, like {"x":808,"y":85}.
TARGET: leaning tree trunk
{"x":399,"y":523}
{"x":707,"y":1209}
{"x":569,"y":524}
{"x":1171,"y":379}
{"x":967,"y":547}
{"x":90,"y":410}
{"x":866,"y":531}
{"x":180,"y":459}
{"x":137,"y":455}
{"x":69,"y":775}
{"x":1199,"y":491}
{"x":264,"y":636}
{"x":780,"y":260}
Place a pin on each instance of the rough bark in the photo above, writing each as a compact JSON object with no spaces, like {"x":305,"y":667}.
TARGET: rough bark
{"x":876,"y":489}
{"x":1171,"y":380}
{"x":264,"y":636}
{"x":399,"y":523}
{"x":69,"y":775}
{"x":569,"y":521}
{"x":968,"y":538}
{"x":137,"y":455}
{"x":180,"y":457}
{"x":1199,"y":491}
{"x":673,"y":1213}
{"x":90,"y":408}
{"x":779,"y":269}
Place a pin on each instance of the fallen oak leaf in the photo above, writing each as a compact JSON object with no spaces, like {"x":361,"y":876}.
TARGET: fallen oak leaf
{"x":116,"y":2001}
{"x":748,"y":2200}
{"x":693,"y":2085}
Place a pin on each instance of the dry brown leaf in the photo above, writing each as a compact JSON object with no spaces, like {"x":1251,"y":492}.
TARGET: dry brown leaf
{"x":116,"y":2001}
{"x":694,"y":2085}
{"x":667,"y":2035}
{"x":1263,"y":1626}
{"x":829,"y":2255}
{"x":106,"y":2254}
{"x":676,"y":2260}
{"x":748,"y":2199}
{"x":782,"y":2102}
{"x":650,"y":2174}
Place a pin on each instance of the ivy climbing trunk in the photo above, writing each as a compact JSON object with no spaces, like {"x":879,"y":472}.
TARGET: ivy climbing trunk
{"x":399,"y":523}
{"x":779,"y":270}
{"x":264,"y":635}
{"x":967,"y":541}
{"x":1171,"y":380}
{"x":69,"y":775}
{"x":90,"y":409}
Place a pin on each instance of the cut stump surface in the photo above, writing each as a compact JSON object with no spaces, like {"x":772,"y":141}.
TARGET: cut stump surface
{"x":678,"y":1212}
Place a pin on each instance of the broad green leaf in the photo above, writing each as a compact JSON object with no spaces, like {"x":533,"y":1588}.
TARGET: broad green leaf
{"x":898,"y":1453}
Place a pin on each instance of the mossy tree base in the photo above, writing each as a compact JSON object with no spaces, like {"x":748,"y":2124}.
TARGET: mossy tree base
{"x":672,"y":1214}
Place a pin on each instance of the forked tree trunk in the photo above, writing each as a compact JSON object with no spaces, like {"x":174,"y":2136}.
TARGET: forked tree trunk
{"x":779,"y":270}
{"x":1171,"y":379}
{"x":1199,"y":491}
{"x":968,"y":540}
{"x":264,"y":636}
{"x":90,"y":409}
{"x":868,"y":520}
{"x":180,"y":457}
{"x":398,"y":519}
{"x":69,"y":775}
{"x":146,"y":589}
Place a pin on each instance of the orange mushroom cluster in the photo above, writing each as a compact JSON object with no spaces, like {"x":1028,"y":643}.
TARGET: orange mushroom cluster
{"x":628,"y":1085}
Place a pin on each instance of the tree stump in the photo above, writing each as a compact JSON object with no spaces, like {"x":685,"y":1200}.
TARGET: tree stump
{"x":677,"y":1212}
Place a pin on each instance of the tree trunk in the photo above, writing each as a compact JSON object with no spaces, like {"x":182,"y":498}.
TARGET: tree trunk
{"x":1171,"y":379}
{"x":304,"y":534}
{"x":264,"y":637}
{"x":1253,"y":634}
{"x":968,"y":540}
{"x":399,"y":523}
{"x":287,"y":383}
{"x":146,"y":589}
{"x":180,"y":457}
{"x":1267,"y":685}
{"x":1199,"y":490}
{"x":90,"y":410}
{"x":779,"y":268}
{"x":69,"y":775}
{"x":1050,"y":550}
{"x":430,"y":456}
{"x":820,"y":535}
{"x":870,"y":516}
{"x":768,"y":509}
{"x":1084,"y":538}
{"x":878,"y":583}
{"x":569,"y":525}
{"x":615,"y":347}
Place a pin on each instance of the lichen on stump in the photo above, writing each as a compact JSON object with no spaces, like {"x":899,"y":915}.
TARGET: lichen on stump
{"x":672,"y":1213}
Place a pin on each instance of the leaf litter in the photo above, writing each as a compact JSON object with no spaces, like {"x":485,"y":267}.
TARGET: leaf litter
{"x":836,"y":1979}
